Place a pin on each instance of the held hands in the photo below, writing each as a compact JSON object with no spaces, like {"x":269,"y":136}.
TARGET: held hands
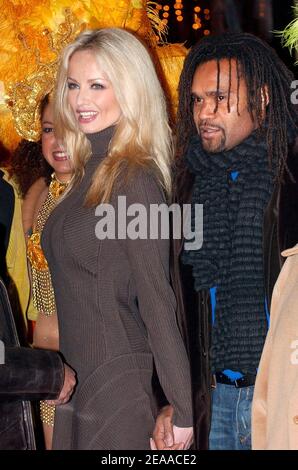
{"x":169,"y":437}
{"x":67,"y":389}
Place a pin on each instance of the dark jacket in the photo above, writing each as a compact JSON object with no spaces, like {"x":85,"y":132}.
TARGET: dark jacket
{"x":25,"y":374}
{"x":280,"y":231}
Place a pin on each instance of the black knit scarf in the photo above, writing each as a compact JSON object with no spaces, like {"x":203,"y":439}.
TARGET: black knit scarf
{"x":231,"y":257}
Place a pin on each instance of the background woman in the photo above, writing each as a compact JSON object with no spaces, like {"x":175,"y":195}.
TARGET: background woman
{"x":40,"y":200}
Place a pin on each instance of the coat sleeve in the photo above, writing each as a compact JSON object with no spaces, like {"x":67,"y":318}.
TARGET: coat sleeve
{"x":30,"y":374}
{"x":149,"y":261}
{"x":261,"y":397}
{"x":259,"y":405}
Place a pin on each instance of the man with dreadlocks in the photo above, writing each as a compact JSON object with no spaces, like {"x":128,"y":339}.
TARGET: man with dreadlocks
{"x":236,"y":124}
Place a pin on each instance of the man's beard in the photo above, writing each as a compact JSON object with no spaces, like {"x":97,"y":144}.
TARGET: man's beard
{"x":216,"y":144}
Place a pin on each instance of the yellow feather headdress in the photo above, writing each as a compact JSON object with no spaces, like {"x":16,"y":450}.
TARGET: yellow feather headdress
{"x":32,"y":36}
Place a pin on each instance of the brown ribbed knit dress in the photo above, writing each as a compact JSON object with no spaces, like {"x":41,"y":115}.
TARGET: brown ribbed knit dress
{"x":116,"y":313}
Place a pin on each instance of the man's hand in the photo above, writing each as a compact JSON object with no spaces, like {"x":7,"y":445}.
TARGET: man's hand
{"x":67,"y":389}
{"x":169,"y":437}
{"x":163,"y":436}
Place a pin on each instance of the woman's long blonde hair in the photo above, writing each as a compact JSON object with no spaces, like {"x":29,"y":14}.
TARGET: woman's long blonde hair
{"x":142,"y":136}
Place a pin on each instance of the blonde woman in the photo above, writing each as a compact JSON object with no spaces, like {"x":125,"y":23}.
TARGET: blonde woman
{"x":116,"y":309}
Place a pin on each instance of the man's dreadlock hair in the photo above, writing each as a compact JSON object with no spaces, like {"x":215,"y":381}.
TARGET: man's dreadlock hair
{"x":260,"y":67}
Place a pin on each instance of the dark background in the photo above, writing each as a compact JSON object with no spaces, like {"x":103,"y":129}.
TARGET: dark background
{"x":190,"y":20}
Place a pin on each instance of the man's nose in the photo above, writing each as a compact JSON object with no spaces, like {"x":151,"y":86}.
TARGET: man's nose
{"x":206,"y":110}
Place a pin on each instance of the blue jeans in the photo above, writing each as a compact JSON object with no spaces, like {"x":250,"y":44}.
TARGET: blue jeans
{"x":231,"y":418}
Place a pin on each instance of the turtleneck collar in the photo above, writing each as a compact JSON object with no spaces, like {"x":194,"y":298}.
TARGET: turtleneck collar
{"x":100,"y":141}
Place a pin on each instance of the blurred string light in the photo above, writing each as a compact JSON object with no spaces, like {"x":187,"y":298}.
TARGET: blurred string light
{"x":179,"y":11}
{"x":174,"y":9}
{"x":200,"y":17}
{"x":166,"y":10}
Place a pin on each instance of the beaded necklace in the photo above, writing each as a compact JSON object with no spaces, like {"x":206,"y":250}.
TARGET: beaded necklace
{"x":42,"y":289}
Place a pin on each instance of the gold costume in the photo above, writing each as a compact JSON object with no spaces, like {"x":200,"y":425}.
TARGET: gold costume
{"x":42,"y":289}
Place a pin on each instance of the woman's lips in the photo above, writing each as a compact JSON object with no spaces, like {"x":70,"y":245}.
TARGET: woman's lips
{"x":86,"y":116}
{"x":60,"y":156}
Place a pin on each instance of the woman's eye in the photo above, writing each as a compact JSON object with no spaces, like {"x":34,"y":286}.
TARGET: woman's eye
{"x":71,"y":86}
{"x":47,"y":130}
{"x":97,"y":86}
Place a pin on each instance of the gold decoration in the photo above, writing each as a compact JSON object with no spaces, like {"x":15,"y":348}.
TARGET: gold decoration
{"x":157,"y":24}
{"x":47,"y":413}
{"x":26,"y":95}
{"x":35,"y":253}
{"x":171,"y":58}
{"x":42,"y":289}
{"x":32,"y":35}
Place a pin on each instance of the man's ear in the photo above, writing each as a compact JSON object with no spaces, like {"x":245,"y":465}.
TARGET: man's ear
{"x":265,"y":97}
